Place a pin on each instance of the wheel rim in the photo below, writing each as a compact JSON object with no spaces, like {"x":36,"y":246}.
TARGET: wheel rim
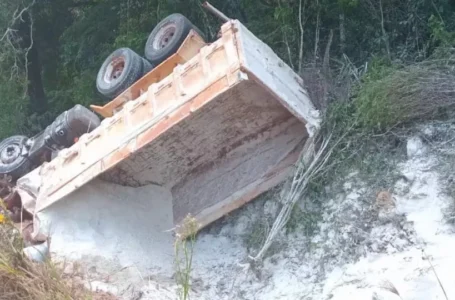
{"x":164,"y":36}
{"x":10,"y":154}
{"x":114,"y":70}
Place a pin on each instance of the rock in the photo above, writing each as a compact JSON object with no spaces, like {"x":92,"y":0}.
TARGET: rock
{"x":429,"y":131}
{"x":409,"y":175}
{"x":402,"y":187}
{"x":242,"y":224}
{"x":271,"y":208}
{"x":385,"y":201}
{"x":415,"y":147}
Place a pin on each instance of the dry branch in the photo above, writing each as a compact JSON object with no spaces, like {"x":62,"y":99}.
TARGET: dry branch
{"x":10,"y":36}
{"x":302,"y":22}
{"x":317,"y":32}
{"x":342,"y":33}
{"x":311,"y":163}
{"x":286,"y":42}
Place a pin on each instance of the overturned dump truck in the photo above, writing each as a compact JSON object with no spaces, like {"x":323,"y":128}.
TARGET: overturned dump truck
{"x":214,"y":124}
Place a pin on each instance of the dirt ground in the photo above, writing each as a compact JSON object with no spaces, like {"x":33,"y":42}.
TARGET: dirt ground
{"x":395,"y":244}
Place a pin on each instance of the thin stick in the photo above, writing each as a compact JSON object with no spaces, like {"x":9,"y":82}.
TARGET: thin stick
{"x":435,"y":274}
{"x":317,"y":31}
{"x":286,"y":42}
{"x":215,"y":11}
{"x":302,"y":31}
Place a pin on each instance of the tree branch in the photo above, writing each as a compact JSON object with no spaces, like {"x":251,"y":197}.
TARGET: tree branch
{"x":302,"y":31}
{"x":286,"y":42}
{"x":342,"y":33}
{"x":16,"y":16}
{"x":384,"y":33}
{"x":11,"y":37}
{"x":29,"y":47}
{"x":317,"y":31}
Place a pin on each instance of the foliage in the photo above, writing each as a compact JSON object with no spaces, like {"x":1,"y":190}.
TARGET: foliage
{"x":391,"y":96}
{"x":71,"y":38}
{"x":439,"y":33}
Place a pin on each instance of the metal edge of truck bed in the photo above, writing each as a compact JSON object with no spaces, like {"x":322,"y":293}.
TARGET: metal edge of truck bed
{"x":265,"y":67}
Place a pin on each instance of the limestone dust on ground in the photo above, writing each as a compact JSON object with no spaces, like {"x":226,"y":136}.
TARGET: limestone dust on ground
{"x":387,"y":246}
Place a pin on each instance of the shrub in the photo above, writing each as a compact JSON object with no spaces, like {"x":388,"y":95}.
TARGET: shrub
{"x":391,"y":96}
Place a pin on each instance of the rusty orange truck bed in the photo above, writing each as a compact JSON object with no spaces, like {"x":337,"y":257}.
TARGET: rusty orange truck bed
{"x":223,"y":127}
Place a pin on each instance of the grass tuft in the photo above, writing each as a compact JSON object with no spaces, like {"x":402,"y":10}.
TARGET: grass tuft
{"x":389,"y":96}
{"x":22,"y":279}
{"x":184,"y":249}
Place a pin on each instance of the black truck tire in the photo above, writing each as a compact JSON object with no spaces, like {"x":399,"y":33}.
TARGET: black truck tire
{"x":119,"y":71}
{"x":146,"y":66}
{"x":167,"y":37}
{"x":12,"y":162}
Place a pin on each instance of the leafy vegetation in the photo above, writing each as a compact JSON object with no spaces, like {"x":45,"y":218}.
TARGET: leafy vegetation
{"x":51,"y":50}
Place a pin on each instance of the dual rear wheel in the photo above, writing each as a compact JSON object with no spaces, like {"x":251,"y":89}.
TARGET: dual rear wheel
{"x":124,"y":66}
{"x":119,"y":71}
{"x":13,"y":160}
